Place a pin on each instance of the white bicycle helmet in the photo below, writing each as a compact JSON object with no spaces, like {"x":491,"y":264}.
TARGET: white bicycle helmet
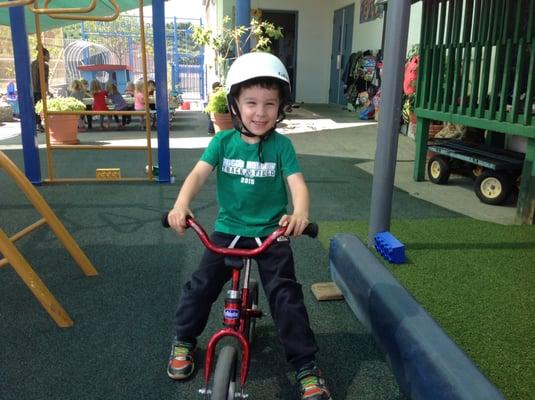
{"x":256,"y":65}
{"x":252,"y":66}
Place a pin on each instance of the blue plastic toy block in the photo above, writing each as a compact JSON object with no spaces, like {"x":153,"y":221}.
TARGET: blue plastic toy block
{"x":390,"y":248}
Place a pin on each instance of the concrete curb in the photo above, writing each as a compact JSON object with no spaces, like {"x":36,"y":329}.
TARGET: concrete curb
{"x":427,"y":364}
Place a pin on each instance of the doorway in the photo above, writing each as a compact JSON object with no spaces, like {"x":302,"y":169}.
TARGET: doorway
{"x":286,"y":47}
{"x":342,"y":44}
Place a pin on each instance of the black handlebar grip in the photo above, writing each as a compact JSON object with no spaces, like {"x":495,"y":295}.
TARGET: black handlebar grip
{"x":311,"y":230}
{"x":165,"y":222}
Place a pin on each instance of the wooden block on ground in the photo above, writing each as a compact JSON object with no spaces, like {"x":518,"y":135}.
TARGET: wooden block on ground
{"x":326,"y":291}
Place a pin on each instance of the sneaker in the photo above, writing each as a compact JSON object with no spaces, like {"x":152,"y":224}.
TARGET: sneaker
{"x":181,"y":360}
{"x":312,"y":385}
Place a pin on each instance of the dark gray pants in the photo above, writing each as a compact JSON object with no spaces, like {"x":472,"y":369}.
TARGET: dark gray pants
{"x":284,"y":293}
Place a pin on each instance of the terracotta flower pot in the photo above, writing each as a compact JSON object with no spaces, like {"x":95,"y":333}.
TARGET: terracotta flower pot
{"x":63,"y":129}
{"x":222,"y":121}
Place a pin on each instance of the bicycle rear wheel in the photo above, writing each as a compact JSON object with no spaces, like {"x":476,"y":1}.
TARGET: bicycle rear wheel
{"x":225,"y":384}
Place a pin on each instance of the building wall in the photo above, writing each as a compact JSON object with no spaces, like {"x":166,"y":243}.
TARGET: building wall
{"x":313,"y":46}
{"x":314,"y":36}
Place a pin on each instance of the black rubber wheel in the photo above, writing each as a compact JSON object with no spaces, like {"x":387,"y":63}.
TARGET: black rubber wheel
{"x":493,"y":187}
{"x":252,"y":304}
{"x":438,"y":169}
{"x":225,"y":385}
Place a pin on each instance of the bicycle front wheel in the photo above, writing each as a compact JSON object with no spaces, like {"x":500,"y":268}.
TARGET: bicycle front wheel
{"x":225,"y":384}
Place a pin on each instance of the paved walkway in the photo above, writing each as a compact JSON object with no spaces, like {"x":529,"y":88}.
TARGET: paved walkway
{"x":318,"y":129}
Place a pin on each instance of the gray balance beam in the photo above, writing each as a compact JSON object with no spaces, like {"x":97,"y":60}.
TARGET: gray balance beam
{"x":427,"y":364}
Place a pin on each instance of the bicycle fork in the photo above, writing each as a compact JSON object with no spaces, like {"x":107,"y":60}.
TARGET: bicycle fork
{"x":236,"y":315}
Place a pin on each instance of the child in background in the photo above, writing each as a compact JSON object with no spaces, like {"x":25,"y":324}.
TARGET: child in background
{"x":85,"y":85}
{"x":130,"y":92}
{"x":77,"y":91}
{"x":151,"y":87}
{"x":139,"y":100}
{"x":99,"y":101}
{"x":130,"y":89}
{"x":119,"y":103}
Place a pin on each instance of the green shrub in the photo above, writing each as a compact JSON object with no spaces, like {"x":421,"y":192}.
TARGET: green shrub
{"x":217,"y":102}
{"x":60,"y":104}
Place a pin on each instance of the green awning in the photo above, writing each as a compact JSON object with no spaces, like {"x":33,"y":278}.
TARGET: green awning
{"x":103,"y":8}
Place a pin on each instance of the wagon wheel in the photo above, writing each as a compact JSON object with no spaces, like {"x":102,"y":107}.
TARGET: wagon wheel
{"x":438,"y":169}
{"x":493,"y":187}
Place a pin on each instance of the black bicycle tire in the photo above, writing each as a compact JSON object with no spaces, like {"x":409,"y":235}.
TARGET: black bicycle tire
{"x":224,"y":382}
{"x":252,"y":303}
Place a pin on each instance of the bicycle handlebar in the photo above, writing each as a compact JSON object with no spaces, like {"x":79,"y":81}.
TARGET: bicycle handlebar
{"x":311,"y":230}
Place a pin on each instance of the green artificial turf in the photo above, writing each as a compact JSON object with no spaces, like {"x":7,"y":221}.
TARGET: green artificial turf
{"x":477,"y":280}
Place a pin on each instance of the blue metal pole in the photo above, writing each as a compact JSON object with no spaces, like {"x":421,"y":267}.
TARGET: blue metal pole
{"x":384,"y":169}
{"x":243,"y":18}
{"x":162,"y":105}
{"x":30,"y":149}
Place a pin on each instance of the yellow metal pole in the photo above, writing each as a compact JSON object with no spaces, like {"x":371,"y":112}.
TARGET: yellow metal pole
{"x":145,"y":88}
{"x":16,"y":3}
{"x":34,"y":283}
{"x":28,"y":229}
{"x":49,"y":11}
{"x":114,"y":5}
{"x":44,"y":92}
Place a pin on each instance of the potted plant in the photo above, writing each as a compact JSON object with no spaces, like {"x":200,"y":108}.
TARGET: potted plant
{"x":63,"y":129}
{"x":218,"y":109}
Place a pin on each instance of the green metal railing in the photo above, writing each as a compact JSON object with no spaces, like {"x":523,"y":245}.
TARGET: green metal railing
{"x":478,"y":62}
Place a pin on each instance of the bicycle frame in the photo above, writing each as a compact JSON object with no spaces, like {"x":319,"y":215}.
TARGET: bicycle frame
{"x":236,"y":314}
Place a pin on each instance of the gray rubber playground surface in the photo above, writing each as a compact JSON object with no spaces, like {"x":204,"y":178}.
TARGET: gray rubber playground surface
{"x":119,"y":344}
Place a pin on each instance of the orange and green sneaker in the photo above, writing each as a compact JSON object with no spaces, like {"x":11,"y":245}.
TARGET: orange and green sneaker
{"x":312,"y":385}
{"x":181,"y":360}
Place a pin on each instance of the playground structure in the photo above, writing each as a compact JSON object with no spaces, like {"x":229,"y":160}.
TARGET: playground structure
{"x":21,"y":266}
{"x":76,"y":51}
{"x":185,"y":77}
{"x":80,"y":14}
{"x":146,"y":113}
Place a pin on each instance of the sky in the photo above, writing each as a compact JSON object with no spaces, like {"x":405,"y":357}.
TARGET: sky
{"x":180,"y":9}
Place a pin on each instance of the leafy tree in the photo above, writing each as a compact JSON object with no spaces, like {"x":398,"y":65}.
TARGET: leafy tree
{"x":227,"y":43}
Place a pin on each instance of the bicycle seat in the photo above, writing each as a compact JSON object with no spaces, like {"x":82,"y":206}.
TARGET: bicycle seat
{"x":234,"y":262}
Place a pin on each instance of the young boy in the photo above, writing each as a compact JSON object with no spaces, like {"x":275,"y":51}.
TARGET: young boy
{"x":251,"y":162}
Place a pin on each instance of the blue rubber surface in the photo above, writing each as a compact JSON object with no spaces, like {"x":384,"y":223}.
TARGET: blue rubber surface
{"x":426,"y":363}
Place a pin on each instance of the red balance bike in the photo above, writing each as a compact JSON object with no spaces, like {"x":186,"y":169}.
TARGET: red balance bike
{"x":239,"y":318}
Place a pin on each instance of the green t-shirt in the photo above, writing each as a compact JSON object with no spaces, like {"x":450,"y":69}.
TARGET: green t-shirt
{"x":252,"y":196}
